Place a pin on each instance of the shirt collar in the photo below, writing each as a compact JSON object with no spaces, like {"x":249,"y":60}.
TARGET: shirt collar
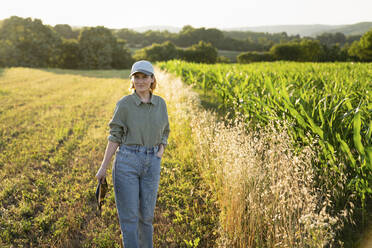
{"x":138,"y":100}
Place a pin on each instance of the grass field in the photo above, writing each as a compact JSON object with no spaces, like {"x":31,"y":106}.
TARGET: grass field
{"x":220,"y":186}
{"x":53,"y":134}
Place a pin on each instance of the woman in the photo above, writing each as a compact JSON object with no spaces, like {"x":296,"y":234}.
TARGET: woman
{"x":140,"y":128}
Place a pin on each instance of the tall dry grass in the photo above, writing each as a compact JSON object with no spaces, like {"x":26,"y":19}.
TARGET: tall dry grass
{"x":266,"y":190}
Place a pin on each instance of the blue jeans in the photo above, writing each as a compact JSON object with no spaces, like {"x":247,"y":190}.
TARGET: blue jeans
{"x":136,"y":175}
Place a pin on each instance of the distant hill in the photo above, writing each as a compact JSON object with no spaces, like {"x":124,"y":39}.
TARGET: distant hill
{"x":310,"y":30}
{"x":158,"y":28}
{"x":302,"y":30}
{"x":355,"y":29}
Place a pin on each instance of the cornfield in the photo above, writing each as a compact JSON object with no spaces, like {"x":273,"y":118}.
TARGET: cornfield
{"x":327,"y":104}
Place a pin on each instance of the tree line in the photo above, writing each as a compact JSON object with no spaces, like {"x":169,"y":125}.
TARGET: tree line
{"x":312,"y":50}
{"x":255,"y":46}
{"x":28,"y":42}
{"x":225,"y":40}
{"x":328,"y":48}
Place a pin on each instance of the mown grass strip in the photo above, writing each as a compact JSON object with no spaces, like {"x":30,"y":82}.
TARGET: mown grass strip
{"x":41,"y":198}
{"x":54,"y":132}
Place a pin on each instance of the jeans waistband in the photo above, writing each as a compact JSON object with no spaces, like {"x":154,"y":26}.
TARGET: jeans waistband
{"x":139,"y":148}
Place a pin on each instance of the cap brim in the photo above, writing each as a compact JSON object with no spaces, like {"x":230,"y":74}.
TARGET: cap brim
{"x":143,"y":71}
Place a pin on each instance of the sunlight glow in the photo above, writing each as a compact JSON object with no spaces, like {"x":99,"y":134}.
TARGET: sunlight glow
{"x":218,"y":14}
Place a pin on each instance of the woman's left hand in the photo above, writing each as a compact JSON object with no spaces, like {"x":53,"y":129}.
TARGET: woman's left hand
{"x":161,"y":151}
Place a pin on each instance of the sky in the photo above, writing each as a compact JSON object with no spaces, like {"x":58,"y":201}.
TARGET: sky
{"x":197,"y":13}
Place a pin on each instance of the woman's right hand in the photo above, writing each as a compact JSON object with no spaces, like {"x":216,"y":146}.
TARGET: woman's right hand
{"x":110,"y":150}
{"x":101,"y":173}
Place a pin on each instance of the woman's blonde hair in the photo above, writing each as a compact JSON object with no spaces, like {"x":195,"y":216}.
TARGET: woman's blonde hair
{"x":152,"y":86}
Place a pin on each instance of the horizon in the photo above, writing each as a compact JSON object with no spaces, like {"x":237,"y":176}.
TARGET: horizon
{"x":162,"y":27}
{"x":116,"y":14}
{"x":258,"y":26}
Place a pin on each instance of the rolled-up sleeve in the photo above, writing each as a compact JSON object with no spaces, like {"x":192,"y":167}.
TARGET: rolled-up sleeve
{"x":166,"y":131}
{"x":118,"y":129}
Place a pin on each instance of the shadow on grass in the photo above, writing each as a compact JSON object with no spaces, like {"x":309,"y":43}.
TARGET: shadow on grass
{"x":210,"y":102}
{"x":3,"y":92}
{"x":358,"y":235}
{"x":121,"y":74}
{"x":365,"y":240}
{"x":2,"y":70}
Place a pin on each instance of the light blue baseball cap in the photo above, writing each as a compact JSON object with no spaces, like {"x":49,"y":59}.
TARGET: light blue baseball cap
{"x":143,"y":66}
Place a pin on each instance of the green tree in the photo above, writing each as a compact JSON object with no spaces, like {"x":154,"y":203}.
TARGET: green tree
{"x":96,"y":48}
{"x":150,"y":37}
{"x":332,"y":53}
{"x":249,"y":57}
{"x":29,"y":43}
{"x":311,"y":50}
{"x":133,"y":38}
{"x":186,"y":37}
{"x":363,"y":48}
{"x":157,"y":52}
{"x":287,"y":51}
{"x":66,"y":31}
{"x":189,"y":36}
{"x":121,"y":57}
{"x":99,"y":49}
{"x":200,"y":53}
{"x":330,"y":39}
{"x":70,"y":54}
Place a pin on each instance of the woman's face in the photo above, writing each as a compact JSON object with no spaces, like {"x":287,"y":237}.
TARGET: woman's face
{"x":142,"y":82}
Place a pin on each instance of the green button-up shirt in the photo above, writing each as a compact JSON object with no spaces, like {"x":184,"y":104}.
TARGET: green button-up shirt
{"x":137,"y":123}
